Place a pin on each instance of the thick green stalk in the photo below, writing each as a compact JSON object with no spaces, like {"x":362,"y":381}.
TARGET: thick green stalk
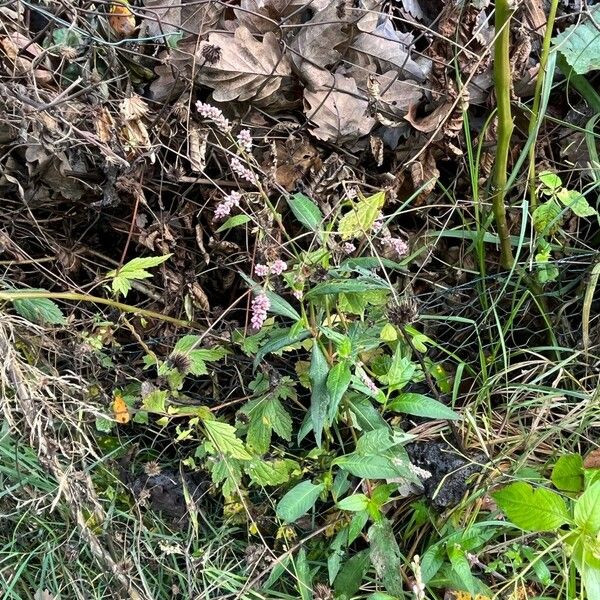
{"x":502,"y":82}
{"x":535,"y":110}
{"x":126,"y":308}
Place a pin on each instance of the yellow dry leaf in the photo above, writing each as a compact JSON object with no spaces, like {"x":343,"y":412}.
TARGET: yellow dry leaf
{"x":121,"y":19}
{"x":121,"y":410}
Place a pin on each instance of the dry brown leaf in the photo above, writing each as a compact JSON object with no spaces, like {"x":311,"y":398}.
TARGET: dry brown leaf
{"x":432,"y":121}
{"x":294,"y":159}
{"x":318,"y":39}
{"x":337,"y":108}
{"x":121,"y":19}
{"x":260,"y":16}
{"x":245,"y":68}
{"x":162,"y":17}
{"x":175,"y":72}
{"x":592,"y":460}
{"x":197,"y":148}
{"x":389,"y":49}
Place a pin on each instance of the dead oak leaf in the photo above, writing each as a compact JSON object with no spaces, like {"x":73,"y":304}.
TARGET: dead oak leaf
{"x":246,"y":68}
{"x":336,"y":108}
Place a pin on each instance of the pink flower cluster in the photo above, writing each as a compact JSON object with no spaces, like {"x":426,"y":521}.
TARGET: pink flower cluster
{"x":241,"y":171}
{"x":224,"y":207}
{"x":275,"y":268}
{"x":244,"y":139}
{"x":398,"y":245}
{"x":348,"y":247}
{"x":215,"y":115}
{"x":260,"y":306}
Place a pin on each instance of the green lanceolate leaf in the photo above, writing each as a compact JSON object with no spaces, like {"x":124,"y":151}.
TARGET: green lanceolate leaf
{"x":368,"y":467}
{"x":338,"y":381}
{"x":351,"y":575}
{"x":134,"y":270}
{"x":303,"y":576}
{"x":422,"y":406}
{"x":358,"y":285}
{"x":298,"y":501}
{"x":306,"y":211}
{"x":567,"y":474}
{"x":234,"y":221}
{"x":319,"y":399}
{"x":354,"y":503}
{"x":532,"y":509}
{"x":281,"y":340}
{"x":386,"y":557}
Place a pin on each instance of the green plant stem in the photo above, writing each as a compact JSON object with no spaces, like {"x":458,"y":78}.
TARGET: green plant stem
{"x":126,"y":308}
{"x":535,"y":110}
{"x":502,"y":82}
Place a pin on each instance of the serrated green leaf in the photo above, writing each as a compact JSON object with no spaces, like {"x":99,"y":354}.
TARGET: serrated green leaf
{"x":226,"y":472}
{"x":386,"y":557}
{"x":298,"y":501}
{"x":547,"y":218}
{"x":580,"y":43}
{"x":306,"y":211}
{"x":234,"y":221}
{"x":567,"y":474}
{"x":319,"y":398}
{"x":587,"y":509}
{"x":576,"y":202}
{"x":155,"y":402}
{"x":360,"y":219}
{"x":532,"y":509}
{"x":265,"y":415}
{"x":134,"y":270}
{"x":223,"y":437}
{"x":422,"y":406}
{"x":39,"y":310}
{"x":551,"y":180}
{"x":274,"y":472}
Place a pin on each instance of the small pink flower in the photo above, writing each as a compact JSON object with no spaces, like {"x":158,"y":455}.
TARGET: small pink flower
{"x":297,"y":294}
{"x":399,"y":246}
{"x":369,"y":382}
{"x":278,"y":267}
{"x":215,"y":115}
{"x":261,"y":270}
{"x":378,"y":224}
{"x":224,"y":207}
{"x":260,"y":306}
{"x":348,"y":247}
{"x":241,"y":171}
{"x":244,"y":139}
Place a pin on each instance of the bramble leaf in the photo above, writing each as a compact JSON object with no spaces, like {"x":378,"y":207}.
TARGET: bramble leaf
{"x":134,"y":270}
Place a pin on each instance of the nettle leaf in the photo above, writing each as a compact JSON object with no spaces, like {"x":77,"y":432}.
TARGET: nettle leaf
{"x":576,"y":202}
{"x":422,"y":406}
{"x":39,"y":310}
{"x":532,"y":509}
{"x":567,"y":474}
{"x":547,"y":218}
{"x":587,"y":509}
{"x":580,"y":43}
{"x":360,"y":219}
{"x":197,"y":357}
{"x":156,"y":402}
{"x":223,"y":438}
{"x":274,"y":472}
{"x":386,"y":557}
{"x":134,"y":270}
{"x":266,"y":415}
{"x":226,"y":472}
{"x":319,"y":399}
{"x":306,"y":211}
{"x":551,"y":180}
{"x":298,"y":501}
{"x":401,"y":371}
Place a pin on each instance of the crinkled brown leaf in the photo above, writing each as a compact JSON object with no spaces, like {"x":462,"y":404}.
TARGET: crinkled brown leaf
{"x":336,"y":108}
{"x":161,"y":17}
{"x":247,"y":69}
{"x":317,"y":42}
{"x":389,"y":49}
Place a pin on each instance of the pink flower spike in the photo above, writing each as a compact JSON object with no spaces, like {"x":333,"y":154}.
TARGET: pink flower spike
{"x":260,"y":306}
{"x":241,"y":171}
{"x":244,"y":139}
